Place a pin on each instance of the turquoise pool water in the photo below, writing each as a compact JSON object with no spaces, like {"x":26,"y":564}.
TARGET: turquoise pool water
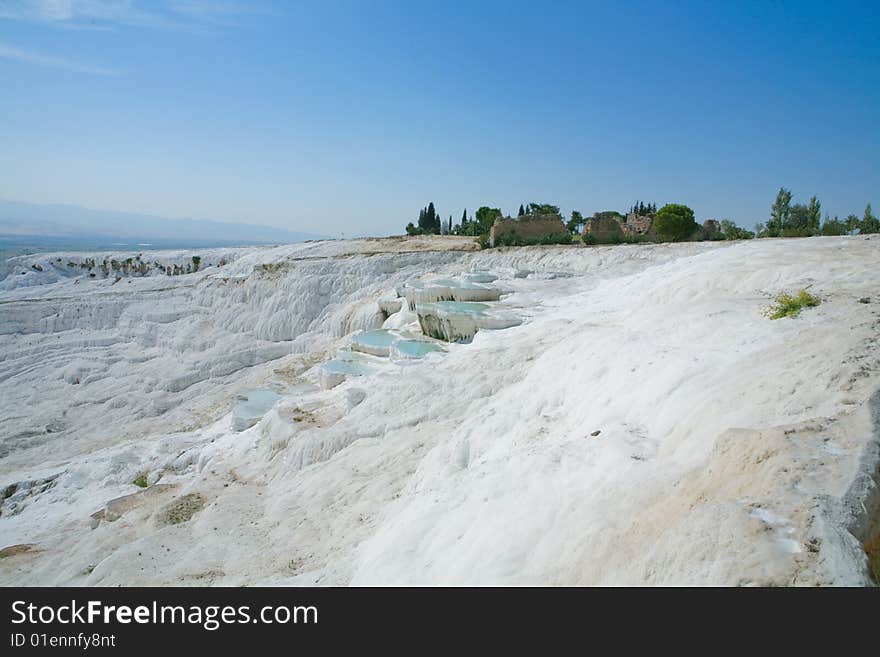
{"x":346,"y":367}
{"x":253,"y":404}
{"x":462,"y":307}
{"x":379,"y":338}
{"x":415,"y":348}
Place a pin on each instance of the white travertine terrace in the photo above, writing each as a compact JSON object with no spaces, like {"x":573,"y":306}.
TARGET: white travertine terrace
{"x":644,"y":423}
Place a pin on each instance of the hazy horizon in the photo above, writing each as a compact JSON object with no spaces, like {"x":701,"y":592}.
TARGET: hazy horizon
{"x":346,"y":119}
{"x":19,"y":218}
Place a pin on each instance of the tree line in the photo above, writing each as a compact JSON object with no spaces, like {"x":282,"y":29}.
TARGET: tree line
{"x":805,"y":220}
{"x":642,"y":210}
{"x":672,"y":221}
{"x":474,"y":225}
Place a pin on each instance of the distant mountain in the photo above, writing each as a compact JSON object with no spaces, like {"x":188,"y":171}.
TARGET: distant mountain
{"x":70,"y":221}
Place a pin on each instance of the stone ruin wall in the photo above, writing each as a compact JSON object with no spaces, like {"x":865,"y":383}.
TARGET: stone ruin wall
{"x":639,"y":225}
{"x":614,"y":228}
{"x":529,"y":226}
{"x":604,"y":229}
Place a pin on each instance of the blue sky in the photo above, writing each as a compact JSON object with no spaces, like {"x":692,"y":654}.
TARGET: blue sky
{"x":347,"y":117}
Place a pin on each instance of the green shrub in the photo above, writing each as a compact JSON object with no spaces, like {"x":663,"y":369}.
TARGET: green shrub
{"x":833,"y":227}
{"x":141,"y":480}
{"x":588,"y":239}
{"x":560,"y":238}
{"x":182,"y":509}
{"x":730,"y":231}
{"x":788,"y":305}
{"x":512,"y":239}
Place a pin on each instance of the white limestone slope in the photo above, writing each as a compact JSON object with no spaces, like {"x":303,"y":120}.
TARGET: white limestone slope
{"x":731,"y":449}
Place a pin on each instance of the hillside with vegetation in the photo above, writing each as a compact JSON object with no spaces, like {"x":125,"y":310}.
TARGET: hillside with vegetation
{"x":644,"y":222}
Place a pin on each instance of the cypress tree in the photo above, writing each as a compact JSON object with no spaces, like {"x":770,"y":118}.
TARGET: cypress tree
{"x":428,"y":221}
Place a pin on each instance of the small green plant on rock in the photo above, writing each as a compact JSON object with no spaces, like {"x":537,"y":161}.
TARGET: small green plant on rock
{"x":140,"y":480}
{"x":790,"y":305}
{"x":182,"y":509}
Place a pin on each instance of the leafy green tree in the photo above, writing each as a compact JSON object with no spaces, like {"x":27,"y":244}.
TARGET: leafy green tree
{"x":852,"y":223}
{"x":486,"y":217}
{"x":814,"y":216}
{"x":780,"y":212}
{"x":833,"y":226}
{"x":574,"y":224}
{"x":544,"y":208}
{"x":412,"y":230}
{"x":522,"y":210}
{"x":469,"y":226}
{"x":733,"y":232}
{"x":796,"y":224}
{"x":870,"y":223}
{"x":675,"y":222}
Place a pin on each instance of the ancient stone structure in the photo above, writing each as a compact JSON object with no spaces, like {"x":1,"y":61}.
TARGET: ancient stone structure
{"x":635,"y":225}
{"x":604,"y":228}
{"x":611,"y":227}
{"x":529,"y":227}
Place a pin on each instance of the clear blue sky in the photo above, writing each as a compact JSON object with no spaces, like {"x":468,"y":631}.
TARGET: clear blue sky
{"x":348,"y":117}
